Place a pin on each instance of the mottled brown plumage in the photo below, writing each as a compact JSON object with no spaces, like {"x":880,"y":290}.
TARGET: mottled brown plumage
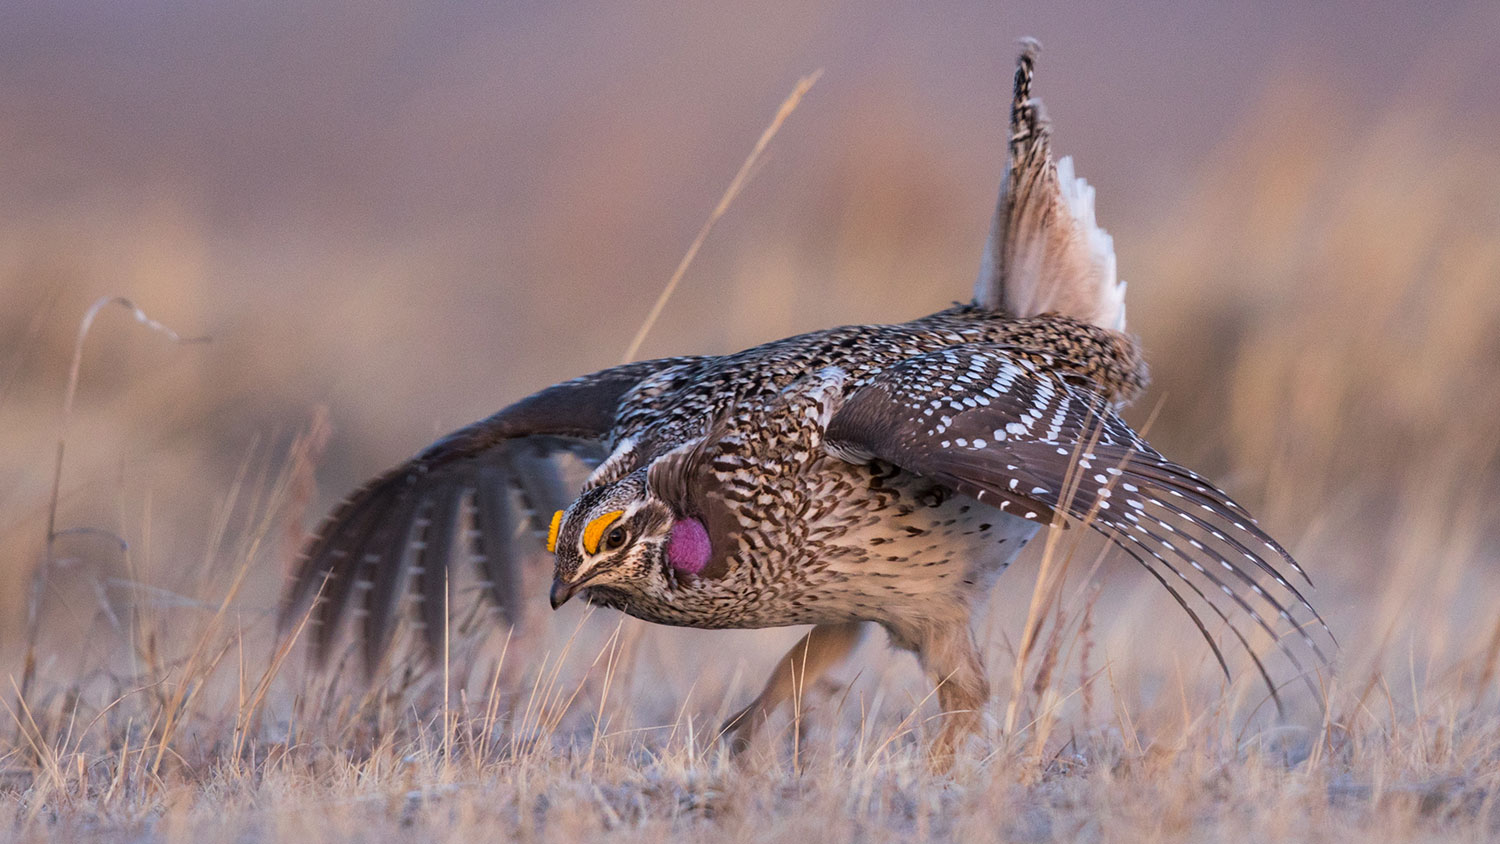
{"x":875,"y":473}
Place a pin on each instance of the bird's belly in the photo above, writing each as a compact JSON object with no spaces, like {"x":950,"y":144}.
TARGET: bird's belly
{"x":855,"y":543}
{"x":870,"y":543}
{"x":902,"y":543}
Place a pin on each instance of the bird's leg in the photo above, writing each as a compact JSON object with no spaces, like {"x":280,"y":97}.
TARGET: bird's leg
{"x":951,"y":659}
{"x":815,"y":653}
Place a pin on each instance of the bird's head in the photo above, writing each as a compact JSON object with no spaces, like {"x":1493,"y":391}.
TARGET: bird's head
{"x":622,"y":537}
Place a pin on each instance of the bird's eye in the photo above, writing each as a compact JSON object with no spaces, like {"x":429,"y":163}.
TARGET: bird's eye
{"x":615,"y":538}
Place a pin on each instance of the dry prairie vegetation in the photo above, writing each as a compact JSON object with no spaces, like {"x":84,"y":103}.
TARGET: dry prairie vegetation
{"x":1325,"y":335}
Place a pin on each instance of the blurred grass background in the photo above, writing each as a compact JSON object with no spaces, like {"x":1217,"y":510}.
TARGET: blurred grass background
{"x":411,"y":215}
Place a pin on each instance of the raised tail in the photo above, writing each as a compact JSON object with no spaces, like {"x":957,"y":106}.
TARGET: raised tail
{"x":1046,"y":253}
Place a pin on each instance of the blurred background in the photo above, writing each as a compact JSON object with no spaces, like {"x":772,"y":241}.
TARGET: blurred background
{"x":405,"y":215}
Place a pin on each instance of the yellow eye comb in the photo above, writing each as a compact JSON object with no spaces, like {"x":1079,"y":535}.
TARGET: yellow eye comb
{"x":552,"y":532}
{"x":595,"y":530}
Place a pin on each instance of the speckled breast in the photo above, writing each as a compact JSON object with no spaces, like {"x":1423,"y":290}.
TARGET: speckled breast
{"x":853,"y":542}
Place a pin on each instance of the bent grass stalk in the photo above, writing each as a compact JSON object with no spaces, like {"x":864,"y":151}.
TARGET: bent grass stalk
{"x":39,"y":583}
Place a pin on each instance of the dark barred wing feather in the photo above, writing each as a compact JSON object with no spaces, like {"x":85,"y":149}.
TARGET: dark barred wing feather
{"x":496,"y":482}
{"x":992,"y":426}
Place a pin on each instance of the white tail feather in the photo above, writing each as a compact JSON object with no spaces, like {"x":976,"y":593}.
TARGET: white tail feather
{"x":1046,"y":252}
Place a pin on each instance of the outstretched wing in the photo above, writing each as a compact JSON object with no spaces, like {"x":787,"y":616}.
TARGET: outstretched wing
{"x":508,"y":471}
{"x":992,"y":426}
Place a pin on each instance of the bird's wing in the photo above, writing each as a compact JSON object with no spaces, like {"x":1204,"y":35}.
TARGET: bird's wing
{"x":992,"y":426}
{"x":509,"y":471}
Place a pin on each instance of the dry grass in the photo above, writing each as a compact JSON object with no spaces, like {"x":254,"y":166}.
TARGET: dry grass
{"x":1323,"y":322}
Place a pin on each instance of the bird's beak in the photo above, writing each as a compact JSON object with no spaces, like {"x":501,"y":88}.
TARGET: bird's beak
{"x":562,"y":591}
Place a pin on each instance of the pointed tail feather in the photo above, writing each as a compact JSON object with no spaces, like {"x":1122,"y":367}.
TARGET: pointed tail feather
{"x":1046,"y":252}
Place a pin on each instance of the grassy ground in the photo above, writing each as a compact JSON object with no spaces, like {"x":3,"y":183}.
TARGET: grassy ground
{"x":1322,"y":320}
